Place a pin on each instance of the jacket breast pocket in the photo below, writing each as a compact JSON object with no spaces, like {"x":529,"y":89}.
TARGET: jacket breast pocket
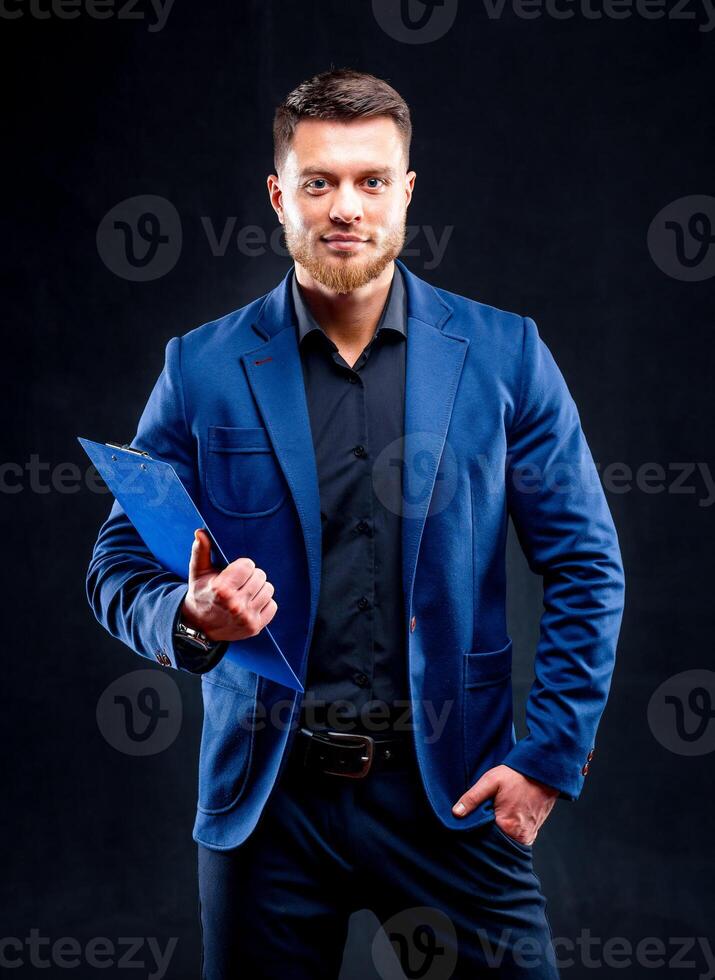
{"x":488,"y":709}
{"x":243,"y":477}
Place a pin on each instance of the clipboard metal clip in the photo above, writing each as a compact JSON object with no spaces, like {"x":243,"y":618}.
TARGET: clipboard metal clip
{"x":128,"y":449}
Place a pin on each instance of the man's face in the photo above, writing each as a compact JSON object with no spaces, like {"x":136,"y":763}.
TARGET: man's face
{"x":342,"y":196}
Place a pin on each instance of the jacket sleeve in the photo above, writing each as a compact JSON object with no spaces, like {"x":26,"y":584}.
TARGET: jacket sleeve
{"x":565,"y":528}
{"x":131,"y":595}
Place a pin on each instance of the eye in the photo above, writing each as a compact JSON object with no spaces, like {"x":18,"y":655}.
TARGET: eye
{"x":321,"y":184}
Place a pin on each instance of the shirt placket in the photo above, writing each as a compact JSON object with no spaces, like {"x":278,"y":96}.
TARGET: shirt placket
{"x":361,"y":533}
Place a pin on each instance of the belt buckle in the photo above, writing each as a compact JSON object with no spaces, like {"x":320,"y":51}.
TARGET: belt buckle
{"x":366,"y":758}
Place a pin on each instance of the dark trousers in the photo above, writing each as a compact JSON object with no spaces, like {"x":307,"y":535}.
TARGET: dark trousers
{"x":451,"y":904}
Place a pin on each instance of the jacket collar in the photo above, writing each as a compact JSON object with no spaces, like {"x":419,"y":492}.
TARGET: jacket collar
{"x":393,"y":316}
{"x":423,"y":303}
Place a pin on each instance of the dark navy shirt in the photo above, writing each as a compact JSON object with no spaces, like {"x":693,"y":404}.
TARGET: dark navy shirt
{"x":358,"y":649}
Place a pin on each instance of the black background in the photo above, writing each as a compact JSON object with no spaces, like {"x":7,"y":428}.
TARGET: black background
{"x":547,"y":147}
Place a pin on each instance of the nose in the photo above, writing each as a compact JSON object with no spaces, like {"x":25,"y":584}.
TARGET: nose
{"x":346,"y":206}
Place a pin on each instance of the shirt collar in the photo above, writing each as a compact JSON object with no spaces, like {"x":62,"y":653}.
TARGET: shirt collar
{"x":393,"y":316}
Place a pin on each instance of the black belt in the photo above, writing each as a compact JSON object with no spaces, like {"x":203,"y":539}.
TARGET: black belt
{"x":351,"y":754}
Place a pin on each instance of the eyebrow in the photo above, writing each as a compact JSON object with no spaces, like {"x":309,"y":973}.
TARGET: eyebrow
{"x":325,"y":172}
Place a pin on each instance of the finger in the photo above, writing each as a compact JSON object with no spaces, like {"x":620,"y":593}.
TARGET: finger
{"x":253,"y":586}
{"x":482,"y":790}
{"x":200,"y":561}
{"x":237,"y":573}
{"x":268,"y":612}
{"x":264,"y":595}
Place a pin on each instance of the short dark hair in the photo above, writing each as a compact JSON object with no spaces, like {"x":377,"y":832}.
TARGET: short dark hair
{"x":339,"y":94}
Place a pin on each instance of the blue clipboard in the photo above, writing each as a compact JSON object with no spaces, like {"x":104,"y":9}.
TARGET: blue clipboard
{"x":160,"y":508}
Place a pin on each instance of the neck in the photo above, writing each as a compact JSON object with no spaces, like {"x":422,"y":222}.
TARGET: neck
{"x":349,"y":319}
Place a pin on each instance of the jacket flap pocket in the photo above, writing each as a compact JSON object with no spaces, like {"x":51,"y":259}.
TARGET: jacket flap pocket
{"x":227,"y":439}
{"x":487,"y":668}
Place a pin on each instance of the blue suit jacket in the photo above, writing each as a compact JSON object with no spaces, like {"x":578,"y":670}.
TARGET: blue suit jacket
{"x":490,"y":431}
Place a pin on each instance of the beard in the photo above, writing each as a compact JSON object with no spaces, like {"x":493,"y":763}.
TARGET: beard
{"x":342,"y":272}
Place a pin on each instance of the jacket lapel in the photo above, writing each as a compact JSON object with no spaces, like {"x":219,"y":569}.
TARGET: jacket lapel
{"x":276,"y":378}
{"x":433,"y":367}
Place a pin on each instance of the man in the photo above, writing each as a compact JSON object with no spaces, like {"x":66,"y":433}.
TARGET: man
{"x":356,"y":440}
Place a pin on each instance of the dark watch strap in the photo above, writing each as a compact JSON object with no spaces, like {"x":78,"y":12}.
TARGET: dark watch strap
{"x":190,"y":656}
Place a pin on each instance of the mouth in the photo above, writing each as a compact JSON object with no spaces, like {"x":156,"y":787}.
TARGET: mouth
{"x":344,"y":243}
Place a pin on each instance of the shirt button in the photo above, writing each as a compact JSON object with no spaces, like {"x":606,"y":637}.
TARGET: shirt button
{"x":413,"y":623}
{"x":361,"y":679}
{"x":352,"y":379}
{"x":363,"y":602}
{"x":363,"y":527}
{"x":359,"y":450}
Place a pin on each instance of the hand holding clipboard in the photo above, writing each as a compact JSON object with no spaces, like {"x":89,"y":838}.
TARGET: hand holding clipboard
{"x":158,"y":505}
{"x":230,"y":604}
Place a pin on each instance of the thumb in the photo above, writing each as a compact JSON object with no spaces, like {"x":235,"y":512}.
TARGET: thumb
{"x":200,"y":561}
{"x":483,"y":789}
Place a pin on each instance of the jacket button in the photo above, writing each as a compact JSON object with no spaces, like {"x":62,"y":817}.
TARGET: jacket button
{"x":362,"y":680}
{"x":413,"y":621}
{"x":363,"y":602}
